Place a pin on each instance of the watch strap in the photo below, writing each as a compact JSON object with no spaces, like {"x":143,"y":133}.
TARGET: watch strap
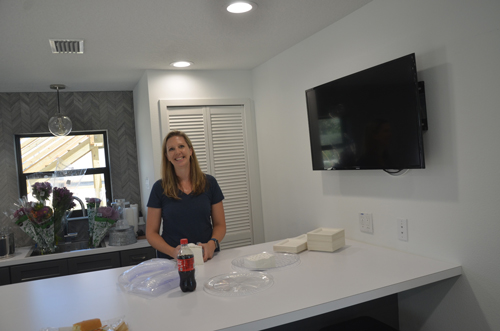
{"x":216,"y":242}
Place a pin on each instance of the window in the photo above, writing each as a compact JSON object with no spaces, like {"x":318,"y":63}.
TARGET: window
{"x":78,"y":161}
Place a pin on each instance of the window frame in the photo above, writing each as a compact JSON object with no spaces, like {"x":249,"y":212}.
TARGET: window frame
{"x":22,"y":177}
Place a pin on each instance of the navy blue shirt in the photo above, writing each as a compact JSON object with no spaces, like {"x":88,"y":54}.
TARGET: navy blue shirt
{"x":189,"y":217}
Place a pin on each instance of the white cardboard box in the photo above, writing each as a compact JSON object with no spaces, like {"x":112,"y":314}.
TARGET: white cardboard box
{"x":198,"y":253}
{"x":326,"y":246}
{"x":292,"y":245}
{"x":325,"y":239}
{"x":325,"y":234}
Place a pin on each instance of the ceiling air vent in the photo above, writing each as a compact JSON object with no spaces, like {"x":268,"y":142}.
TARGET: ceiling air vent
{"x":67,"y":46}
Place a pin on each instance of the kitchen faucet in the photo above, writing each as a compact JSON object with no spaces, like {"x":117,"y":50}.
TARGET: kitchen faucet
{"x":81,"y":204}
{"x":67,"y":218}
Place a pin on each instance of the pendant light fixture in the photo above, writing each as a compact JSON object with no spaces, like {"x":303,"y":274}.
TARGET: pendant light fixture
{"x":59,"y":124}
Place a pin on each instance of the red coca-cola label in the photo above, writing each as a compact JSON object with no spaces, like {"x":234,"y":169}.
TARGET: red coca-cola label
{"x":185,"y":264}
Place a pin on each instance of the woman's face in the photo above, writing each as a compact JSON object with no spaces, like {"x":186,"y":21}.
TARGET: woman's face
{"x":178,"y":152}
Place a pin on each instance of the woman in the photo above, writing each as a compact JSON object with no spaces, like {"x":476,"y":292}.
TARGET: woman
{"x":189,"y":201}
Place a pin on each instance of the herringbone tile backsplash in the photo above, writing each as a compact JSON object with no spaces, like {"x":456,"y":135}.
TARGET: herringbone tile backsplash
{"x":30,"y":113}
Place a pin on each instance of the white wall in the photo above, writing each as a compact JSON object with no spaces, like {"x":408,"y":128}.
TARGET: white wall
{"x":451,"y":206}
{"x":144,"y":139}
{"x":158,"y":85}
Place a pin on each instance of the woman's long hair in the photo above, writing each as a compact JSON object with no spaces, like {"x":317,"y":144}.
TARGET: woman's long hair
{"x":170,"y":183}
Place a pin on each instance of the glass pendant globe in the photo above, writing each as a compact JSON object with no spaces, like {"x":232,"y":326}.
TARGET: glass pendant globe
{"x":60,"y":125}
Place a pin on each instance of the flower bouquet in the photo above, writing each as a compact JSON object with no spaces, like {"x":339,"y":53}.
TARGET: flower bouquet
{"x":62,"y":202}
{"x":92,"y":206}
{"x":42,"y":223}
{"x":41,"y":191}
{"x":35,"y":220}
{"x":100,"y":220}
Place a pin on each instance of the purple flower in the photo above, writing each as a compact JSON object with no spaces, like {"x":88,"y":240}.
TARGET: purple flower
{"x":108,"y":212}
{"x":20,"y":212}
{"x":62,"y":199}
{"x":41,"y":191}
{"x":20,"y":216}
{"x":93,"y":202}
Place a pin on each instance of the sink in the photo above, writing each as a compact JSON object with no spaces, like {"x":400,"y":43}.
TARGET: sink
{"x":67,"y":247}
{"x":76,"y":240}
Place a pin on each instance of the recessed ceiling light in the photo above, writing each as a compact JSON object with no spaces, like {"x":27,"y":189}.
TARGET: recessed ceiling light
{"x":240,"y":7}
{"x":181,"y":64}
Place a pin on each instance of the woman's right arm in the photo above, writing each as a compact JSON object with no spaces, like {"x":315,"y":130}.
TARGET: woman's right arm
{"x":153,"y":223}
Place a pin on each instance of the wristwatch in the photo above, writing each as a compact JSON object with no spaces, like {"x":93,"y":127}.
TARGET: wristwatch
{"x":216,"y":242}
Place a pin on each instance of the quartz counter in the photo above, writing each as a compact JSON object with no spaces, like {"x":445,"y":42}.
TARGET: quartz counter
{"x":322,"y":282}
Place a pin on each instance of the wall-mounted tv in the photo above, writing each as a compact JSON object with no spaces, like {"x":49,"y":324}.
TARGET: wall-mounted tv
{"x":371,"y":119}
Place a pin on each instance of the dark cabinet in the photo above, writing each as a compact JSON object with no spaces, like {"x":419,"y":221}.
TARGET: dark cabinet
{"x":136,"y":256}
{"x":38,"y":270}
{"x":75,"y":265}
{"x":95,"y":262}
{"x":4,"y":276}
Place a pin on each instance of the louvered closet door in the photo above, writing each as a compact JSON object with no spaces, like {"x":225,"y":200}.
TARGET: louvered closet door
{"x":191,"y":120}
{"x":218,"y":137}
{"x":229,"y":164}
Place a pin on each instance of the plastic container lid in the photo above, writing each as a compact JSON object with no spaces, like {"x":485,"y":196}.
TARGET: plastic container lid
{"x":184,"y":241}
{"x":283,"y":260}
{"x":238,"y":284}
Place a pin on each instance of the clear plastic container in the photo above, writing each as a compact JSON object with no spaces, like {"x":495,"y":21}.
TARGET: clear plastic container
{"x":150,"y":278}
{"x":238,"y":283}
{"x":282,"y":260}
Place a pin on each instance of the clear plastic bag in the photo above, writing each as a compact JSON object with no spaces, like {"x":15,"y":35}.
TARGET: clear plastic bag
{"x":66,"y":176}
{"x":150,"y":278}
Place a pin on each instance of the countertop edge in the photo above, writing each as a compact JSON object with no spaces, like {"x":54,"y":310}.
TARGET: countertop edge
{"x":20,"y":255}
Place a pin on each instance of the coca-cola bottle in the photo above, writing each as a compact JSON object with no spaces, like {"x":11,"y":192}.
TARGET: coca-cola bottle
{"x":185,"y":265}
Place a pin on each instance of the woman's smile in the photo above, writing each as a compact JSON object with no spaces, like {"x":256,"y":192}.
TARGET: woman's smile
{"x":178,"y":152}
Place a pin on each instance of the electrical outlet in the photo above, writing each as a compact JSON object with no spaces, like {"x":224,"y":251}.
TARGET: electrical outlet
{"x":366,"y":222}
{"x":403,"y":229}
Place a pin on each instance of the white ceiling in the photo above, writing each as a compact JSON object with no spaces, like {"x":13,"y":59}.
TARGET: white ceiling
{"x":125,"y":37}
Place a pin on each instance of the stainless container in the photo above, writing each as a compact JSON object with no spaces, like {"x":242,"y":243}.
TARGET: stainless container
{"x":7,"y":246}
{"x":122,"y":236}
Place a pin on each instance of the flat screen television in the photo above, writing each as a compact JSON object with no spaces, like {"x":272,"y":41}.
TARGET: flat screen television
{"x":371,"y":119}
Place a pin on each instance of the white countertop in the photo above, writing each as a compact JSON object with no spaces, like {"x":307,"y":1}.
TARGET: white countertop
{"x":20,"y":255}
{"x":320,"y":283}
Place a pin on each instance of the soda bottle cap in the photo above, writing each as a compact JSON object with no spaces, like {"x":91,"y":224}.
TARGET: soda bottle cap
{"x":184,"y":241}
